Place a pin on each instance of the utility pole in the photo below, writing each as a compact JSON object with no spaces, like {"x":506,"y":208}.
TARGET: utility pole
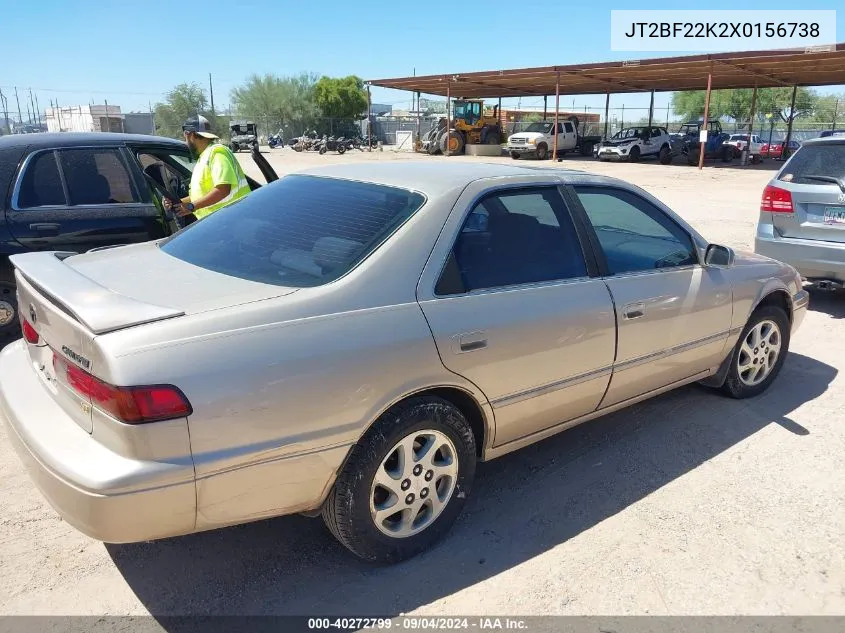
{"x":18,"y":101}
{"x":211,"y":92}
{"x":34,"y":111}
{"x":38,"y":106}
{"x":5,"y":104}
{"x":108,"y":120}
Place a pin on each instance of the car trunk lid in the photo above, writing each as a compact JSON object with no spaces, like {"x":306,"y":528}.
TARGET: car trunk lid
{"x":70,"y":300}
{"x":818,"y":213}
{"x":818,"y":206}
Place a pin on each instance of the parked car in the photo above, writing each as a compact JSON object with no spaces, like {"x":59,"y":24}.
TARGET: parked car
{"x":634,"y":143}
{"x":77,"y":192}
{"x":741,"y":142}
{"x":538,"y":140}
{"x":775,"y":150}
{"x":802,"y":213}
{"x":827,"y":133}
{"x":350,"y":341}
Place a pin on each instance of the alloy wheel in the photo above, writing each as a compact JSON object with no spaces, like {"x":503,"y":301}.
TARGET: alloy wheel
{"x":414,"y":483}
{"x":759,"y":353}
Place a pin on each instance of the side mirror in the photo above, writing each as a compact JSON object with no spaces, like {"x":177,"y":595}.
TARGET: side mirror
{"x":719,"y":256}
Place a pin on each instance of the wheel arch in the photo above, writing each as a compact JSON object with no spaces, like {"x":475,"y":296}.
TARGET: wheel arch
{"x":480,"y":419}
{"x":778,"y":298}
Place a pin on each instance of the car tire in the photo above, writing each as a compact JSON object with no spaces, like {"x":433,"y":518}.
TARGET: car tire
{"x":665,"y":155}
{"x":542,"y":151}
{"x":727,"y":155}
{"x":587,"y":149}
{"x":10,"y":327}
{"x":634,"y":156}
{"x":351,"y":511}
{"x":515,"y":155}
{"x":769,"y":326}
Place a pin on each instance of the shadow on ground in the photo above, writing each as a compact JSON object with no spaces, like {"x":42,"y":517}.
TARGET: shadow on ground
{"x":522,"y":505}
{"x":830,"y":302}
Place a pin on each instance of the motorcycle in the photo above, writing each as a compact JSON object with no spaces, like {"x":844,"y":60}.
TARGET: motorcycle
{"x":332,"y":144}
{"x":276,"y":140}
{"x":305,"y":143}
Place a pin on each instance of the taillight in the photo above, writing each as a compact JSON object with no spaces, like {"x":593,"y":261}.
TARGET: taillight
{"x":776,"y":200}
{"x":29,"y":333}
{"x":131,"y":405}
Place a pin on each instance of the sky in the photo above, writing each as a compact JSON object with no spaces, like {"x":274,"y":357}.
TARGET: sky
{"x":131,"y":53}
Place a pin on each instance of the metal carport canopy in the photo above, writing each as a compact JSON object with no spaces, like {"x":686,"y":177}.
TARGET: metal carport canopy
{"x":814,"y":66}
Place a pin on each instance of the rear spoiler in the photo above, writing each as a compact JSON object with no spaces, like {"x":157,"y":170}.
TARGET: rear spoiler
{"x":94,"y":306}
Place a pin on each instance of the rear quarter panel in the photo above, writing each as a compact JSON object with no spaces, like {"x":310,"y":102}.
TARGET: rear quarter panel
{"x":281,"y":389}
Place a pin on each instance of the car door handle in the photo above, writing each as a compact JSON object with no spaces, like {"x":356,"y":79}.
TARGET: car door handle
{"x":471,"y":341}
{"x":633,"y":310}
{"x":44,"y":227}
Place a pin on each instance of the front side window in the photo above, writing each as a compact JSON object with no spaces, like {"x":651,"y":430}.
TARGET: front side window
{"x":40,"y":184}
{"x":634,"y":234}
{"x":96,"y":176}
{"x":569,"y":128}
{"x":171,"y":171}
{"x":511,"y":238}
{"x":301,"y":231}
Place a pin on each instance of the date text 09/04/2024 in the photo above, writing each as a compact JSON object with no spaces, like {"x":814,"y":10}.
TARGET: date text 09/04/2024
{"x":725,"y":30}
{"x":417,"y":623}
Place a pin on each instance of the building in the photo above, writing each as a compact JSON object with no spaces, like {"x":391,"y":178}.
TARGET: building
{"x":87,"y":118}
{"x":139,"y":123}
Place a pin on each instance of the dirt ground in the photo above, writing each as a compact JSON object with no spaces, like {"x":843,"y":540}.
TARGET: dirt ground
{"x":687,"y":504}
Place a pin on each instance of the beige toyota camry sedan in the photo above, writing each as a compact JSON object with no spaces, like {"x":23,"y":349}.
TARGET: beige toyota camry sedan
{"x":350,"y":341}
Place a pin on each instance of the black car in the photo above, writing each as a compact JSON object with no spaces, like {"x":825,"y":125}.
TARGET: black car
{"x":77,"y":192}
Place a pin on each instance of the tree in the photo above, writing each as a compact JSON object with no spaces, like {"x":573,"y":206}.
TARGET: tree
{"x":182,"y":102}
{"x":341,"y":98}
{"x":736,"y":103}
{"x":278,"y":102}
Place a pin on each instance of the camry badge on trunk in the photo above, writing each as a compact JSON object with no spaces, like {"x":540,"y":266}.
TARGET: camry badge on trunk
{"x":81,"y":360}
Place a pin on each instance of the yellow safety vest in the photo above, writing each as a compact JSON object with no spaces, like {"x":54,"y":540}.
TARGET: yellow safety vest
{"x":201,"y":182}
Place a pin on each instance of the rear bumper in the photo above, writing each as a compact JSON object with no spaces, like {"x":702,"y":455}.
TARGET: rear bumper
{"x":813,"y":259}
{"x":107,"y":496}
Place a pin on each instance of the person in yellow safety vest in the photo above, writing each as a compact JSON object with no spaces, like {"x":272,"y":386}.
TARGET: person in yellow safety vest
{"x":217,"y":180}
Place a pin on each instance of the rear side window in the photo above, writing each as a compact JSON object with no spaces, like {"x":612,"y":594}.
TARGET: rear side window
{"x":301,"y":231}
{"x":513,"y":238}
{"x":96,"y":176}
{"x":825,"y":160}
{"x":41,"y":185}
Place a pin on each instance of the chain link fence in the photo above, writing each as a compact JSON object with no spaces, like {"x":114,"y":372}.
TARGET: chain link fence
{"x":827,"y":114}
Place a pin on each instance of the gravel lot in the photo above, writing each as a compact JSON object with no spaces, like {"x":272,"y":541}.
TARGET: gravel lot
{"x":687,"y":504}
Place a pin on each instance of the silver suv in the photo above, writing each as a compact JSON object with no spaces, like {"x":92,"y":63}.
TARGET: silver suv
{"x":802,"y":213}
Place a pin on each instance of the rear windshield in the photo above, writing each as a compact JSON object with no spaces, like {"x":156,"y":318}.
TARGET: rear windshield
{"x":301,"y":231}
{"x":825,"y":159}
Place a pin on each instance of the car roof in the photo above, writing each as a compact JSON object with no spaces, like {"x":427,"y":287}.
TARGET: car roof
{"x":77,"y":139}
{"x":440,"y":176}
{"x":833,"y":140}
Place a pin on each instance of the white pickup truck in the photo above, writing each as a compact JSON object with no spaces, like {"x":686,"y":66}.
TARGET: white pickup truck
{"x":740,"y":142}
{"x":633,"y":143}
{"x":538,"y":140}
